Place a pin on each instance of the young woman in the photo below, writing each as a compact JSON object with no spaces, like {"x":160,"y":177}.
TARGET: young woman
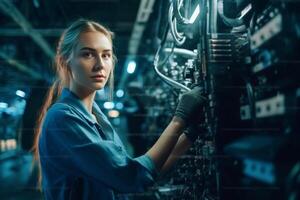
{"x":80,"y":154}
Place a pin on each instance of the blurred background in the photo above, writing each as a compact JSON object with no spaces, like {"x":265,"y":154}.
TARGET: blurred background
{"x":243,"y":53}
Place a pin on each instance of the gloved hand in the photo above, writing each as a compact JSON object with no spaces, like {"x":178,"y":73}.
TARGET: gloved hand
{"x":193,"y":131}
{"x":190,"y":104}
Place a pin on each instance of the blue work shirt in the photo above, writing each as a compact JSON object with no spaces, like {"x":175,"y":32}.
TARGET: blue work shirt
{"x":84,"y":158}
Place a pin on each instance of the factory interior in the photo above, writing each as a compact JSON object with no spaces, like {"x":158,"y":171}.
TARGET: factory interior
{"x":243,"y":55}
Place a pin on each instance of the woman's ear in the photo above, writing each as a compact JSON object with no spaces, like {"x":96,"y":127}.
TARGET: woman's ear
{"x":66,"y":63}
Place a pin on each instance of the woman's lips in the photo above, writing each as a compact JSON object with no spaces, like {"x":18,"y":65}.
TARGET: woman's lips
{"x":98,"y":77}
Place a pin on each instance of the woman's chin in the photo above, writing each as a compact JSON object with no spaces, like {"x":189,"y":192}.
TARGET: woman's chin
{"x":98,"y":86}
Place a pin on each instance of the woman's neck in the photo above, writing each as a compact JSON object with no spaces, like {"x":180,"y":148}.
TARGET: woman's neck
{"x":88,"y":101}
{"x":86,"y":96}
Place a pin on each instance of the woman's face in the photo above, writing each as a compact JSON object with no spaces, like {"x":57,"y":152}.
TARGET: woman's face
{"x":91,"y":63}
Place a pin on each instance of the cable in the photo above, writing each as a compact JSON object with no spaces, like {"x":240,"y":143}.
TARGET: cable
{"x":177,"y":14}
{"x":253,"y":22}
{"x":183,"y":52}
{"x":165,"y":34}
{"x":233,"y":22}
{"x":171,"y":51}
{"x":165,"y":78}
{"x":213,"y":16}
{"x":251,"y":99}
{"x":156,"y":63}
{"x":178,"y":37}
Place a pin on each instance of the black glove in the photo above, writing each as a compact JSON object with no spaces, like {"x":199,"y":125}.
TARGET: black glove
{"x":190,"y":104}
{"x":193,"y":131}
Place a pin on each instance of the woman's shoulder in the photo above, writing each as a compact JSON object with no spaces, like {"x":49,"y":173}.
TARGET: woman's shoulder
{"x":59,"y":111}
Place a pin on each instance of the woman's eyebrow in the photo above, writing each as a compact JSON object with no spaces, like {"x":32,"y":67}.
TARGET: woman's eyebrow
{"x":91,"y":49}
{"x":107,"y":50}
{"x":87,"y":48}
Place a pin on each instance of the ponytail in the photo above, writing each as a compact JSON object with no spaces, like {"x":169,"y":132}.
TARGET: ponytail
{"x":53,"y":92}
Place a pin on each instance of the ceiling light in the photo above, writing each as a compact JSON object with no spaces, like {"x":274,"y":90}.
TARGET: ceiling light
{"x":120,"y":93}
{"x":131,"y":67}
{"x":119,"y":106}
{"x":109,"y":105}
{"x":20,"y":93}
{"x":113,"y":113}
{"x":3,"y":105}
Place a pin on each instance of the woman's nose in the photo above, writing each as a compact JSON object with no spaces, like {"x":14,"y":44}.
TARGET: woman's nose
{"x":99,"y":64}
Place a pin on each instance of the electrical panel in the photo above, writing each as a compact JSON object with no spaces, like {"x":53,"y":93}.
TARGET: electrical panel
{"x":244,"y":54}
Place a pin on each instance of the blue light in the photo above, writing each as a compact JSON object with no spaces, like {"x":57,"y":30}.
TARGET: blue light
{"x":109,"y":105}
{"x":131,"y":67}
{"x":20,"y":93}
{"x":3,"y":105}
{"x":119,"y":106}
{"x":260,"y":170}
{"x":120,"y":93}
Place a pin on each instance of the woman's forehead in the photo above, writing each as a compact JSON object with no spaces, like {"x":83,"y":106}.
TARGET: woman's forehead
{"x":94,"y":40}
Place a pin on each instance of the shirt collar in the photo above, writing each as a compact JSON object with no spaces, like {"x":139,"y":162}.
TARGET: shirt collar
{"x":72,"y":99}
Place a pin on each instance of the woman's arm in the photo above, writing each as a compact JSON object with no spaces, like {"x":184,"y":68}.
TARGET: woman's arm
{"x":182,"y":145}
{"x":163,"y":147}
{"x":187,"y":108}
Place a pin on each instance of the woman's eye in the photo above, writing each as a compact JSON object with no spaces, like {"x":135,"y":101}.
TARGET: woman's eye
{"x":106,"y":56}
{"x":88,"y":55}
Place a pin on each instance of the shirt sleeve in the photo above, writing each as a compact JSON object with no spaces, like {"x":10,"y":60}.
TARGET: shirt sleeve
{"x":73,"y":144}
